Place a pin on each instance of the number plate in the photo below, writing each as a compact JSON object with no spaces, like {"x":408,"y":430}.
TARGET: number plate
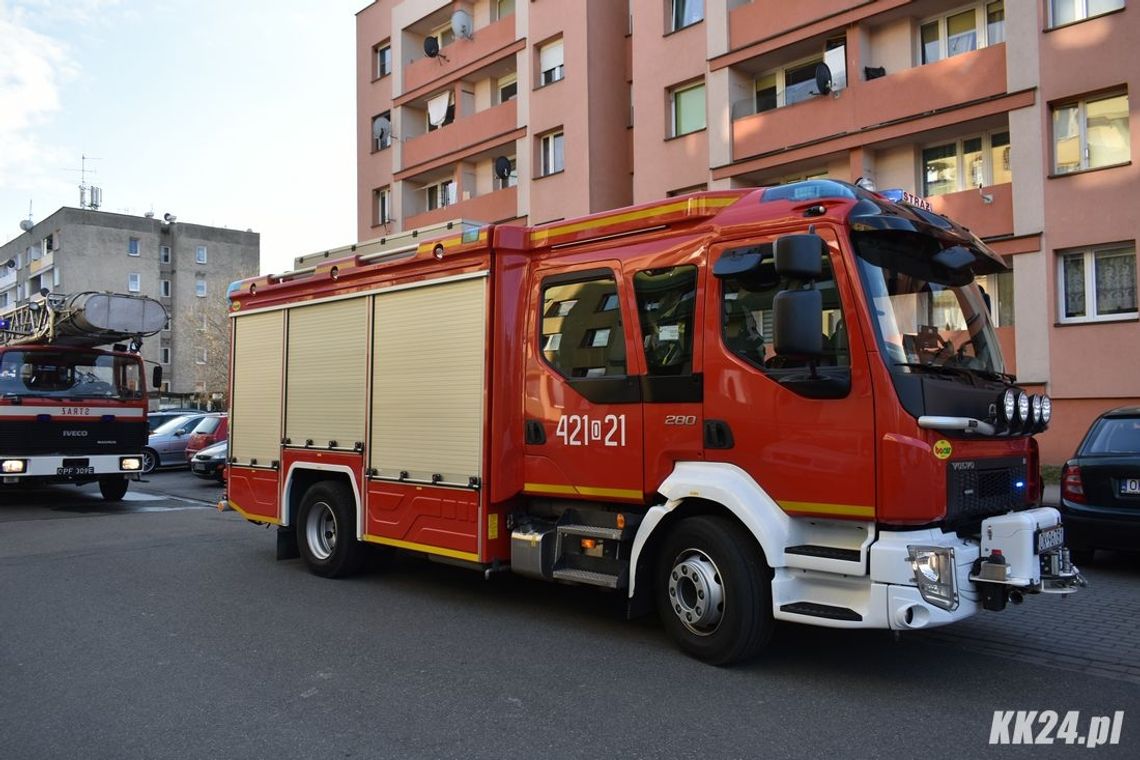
{"x":68,"y":472}
{"x":1130,"y":486}
{"x":1050,"y":538}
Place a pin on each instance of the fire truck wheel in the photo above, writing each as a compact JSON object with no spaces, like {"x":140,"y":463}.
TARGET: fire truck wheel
{"x":714,"y":591}
{"x":113,"y":487}
{"x":150,"y":461}
{"x":325,"y":532}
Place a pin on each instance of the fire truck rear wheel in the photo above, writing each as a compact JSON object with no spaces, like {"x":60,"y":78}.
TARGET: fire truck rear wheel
{"x":325,"y":533}
{"x":113,"y":487}
{"x":714,"y":593}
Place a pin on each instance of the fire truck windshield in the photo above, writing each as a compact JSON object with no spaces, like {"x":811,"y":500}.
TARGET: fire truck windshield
{"x":69,"y":374}
{"x":928,"y":317}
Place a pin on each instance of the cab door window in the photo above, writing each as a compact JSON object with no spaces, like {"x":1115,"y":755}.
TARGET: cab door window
{"x":582,"y":335}
{"x":666,"y":299}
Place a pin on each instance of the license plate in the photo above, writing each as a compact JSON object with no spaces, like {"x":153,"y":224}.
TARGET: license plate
{"x":1050,"y":538}
{"x":69,"y":472}
{"x":1130,"y":487}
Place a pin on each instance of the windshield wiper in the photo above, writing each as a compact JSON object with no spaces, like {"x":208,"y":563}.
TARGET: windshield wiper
{"x":939,"y":369}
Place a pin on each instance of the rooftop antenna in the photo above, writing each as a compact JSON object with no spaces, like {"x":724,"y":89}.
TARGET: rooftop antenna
{"x":96,"y":193}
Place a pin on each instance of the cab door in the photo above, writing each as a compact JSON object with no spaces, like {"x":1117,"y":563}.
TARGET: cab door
{"x":582,"y":400}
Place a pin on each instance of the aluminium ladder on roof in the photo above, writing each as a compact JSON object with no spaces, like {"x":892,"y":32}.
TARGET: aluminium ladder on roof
{"x":83,"y":320}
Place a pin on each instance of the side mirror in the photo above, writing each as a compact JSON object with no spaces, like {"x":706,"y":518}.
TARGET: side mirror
{"x":156,"y":378}
{"x":800,"y":257}
{"x":797,"y":323}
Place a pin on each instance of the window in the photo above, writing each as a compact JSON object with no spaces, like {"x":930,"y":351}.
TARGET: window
{"x":552,"y":153}
{"x":200,"y":287}
{"x":508,"y":88}
{"x":444,"y":34}
{"x":200,"y":254}
{"x":686,"y":13}
{"x":440,"y":195}
{"x":687,"y":107}
{"x":382,"y":205}
{"x":512,"y":178}
{"x":383,"y":60}
{"x":164,"y":288}
{"x":504,"y":8}
{"x":786,"y":86}
{"x":164,"y":254}
{"x":165,"y":354}
{"x":962,"y":31}
{"x":1069,"y":11}
{"x":967,"y":163}
{"x":1098,"y":284}
{"x":381,"y":131}
{"x":134,"y":282}
{"x":133,"y":247}
{"x":997,"y":292}
{"x":1090,"y":134}
{"x":665,"y":303}
{"x":202,"y":357}
{"x":166,"y":327}
{"x":578,"y":340}
{"x":55,"y":278}
{"x":440,"y":110}
{"x":550,"y":62}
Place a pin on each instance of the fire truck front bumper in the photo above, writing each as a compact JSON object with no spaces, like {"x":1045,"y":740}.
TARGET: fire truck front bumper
{"x":933,"y":578}
{"x":55,"y":468}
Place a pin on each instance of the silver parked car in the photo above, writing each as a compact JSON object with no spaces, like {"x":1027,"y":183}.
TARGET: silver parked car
{"x":167,"y":444}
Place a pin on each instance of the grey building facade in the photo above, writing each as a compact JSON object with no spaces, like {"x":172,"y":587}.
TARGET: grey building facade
{"x":186,"y":267}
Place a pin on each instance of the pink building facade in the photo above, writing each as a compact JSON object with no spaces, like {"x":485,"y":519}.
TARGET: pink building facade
{"x":1012,"y":116}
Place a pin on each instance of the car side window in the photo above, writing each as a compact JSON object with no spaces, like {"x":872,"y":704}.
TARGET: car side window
{"x":582,"y":335}
{"x":665,"y":309}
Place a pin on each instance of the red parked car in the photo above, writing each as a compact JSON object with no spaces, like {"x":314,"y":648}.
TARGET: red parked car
{"x":210,"y":430}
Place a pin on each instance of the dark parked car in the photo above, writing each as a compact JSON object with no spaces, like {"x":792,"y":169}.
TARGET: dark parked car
{"x":210,"y":462}
{"x":167,"y":444}
{"x":210,"y":430}
{"x":1100,"y":486}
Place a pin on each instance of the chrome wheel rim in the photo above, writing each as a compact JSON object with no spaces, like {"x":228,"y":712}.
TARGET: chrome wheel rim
{"x":148,"y":462}
{"x":696,"y":592}
{"x":320,"y":531}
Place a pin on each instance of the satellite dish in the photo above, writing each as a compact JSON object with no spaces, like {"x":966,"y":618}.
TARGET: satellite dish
{"x":502,"y":167}
{"x":823,"y":78}
{"x":431,"y":46}
{"x":45,"y":292}
{"x":381,"y":128}
{"x":168,"y":217}
{"x":461,"y":24}
{"x":10,"y":263}
{"x":27,"y":224}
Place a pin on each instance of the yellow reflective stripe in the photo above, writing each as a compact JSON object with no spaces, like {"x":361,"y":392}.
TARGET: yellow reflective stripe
{"x":694,"y":205}
{"x":422,"y":548}
{"x":613,"y":493}
{"x":853,"y":510}
{"x":253,"y":518}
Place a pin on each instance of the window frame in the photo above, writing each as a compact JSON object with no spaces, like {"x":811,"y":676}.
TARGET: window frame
{"x":382,"y":205}
{"x":780,"y":82}
{"x":134,"y":246}
{"x":559,"y":70}
{"x":981,"y":31}
{"x":164,"y":355}
{"x":674,"y":107}
{"x":544,"y":167}
{"x":134,"y":282}
{"x":445,"y":194}
{"x":498,"y":6}
{"x":200,"y":287}
{"x":381,"y":67}
{"x":164,"y":288}
{"x":1088,"y":257}
{"x":504,"y":82}
{"x":1082,"y":132}
{"x":674,"y":6}
{"x":1051,"y":12}
{"x":960,"y":160}
{"x":201,"y":254}
{"x":164,"y":254}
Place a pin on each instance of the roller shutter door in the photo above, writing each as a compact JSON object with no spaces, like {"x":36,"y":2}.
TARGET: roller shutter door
{"x":255,"y":427}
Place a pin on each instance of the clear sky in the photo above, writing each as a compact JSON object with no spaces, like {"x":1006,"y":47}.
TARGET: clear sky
{"x":234,"y":113}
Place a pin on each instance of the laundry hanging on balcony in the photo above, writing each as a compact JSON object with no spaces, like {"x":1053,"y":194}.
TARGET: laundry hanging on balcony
{"x":441,"y":109}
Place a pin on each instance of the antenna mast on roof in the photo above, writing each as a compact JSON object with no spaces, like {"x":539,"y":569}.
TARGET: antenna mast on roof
{"x":96,"y":192}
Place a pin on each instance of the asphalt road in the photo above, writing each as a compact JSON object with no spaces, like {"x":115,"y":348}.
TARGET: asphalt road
{"x":163,"y":629}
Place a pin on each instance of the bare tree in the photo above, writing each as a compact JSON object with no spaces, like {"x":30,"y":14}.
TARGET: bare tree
{"x":211,"y":341}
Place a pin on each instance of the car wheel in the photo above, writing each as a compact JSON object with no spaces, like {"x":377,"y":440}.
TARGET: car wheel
{"x":113,"y":487}
{"x":325,"y":531}
{"x":714,"y":592}
{"x":149,"y":460}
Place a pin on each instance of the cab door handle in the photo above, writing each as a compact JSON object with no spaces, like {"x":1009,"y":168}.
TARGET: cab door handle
{"x":718,"y":435}
{"x":535,"y":433}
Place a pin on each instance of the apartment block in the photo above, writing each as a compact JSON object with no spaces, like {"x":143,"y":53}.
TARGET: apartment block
{"x":186,"y":267}
{"x":1011,"y":116}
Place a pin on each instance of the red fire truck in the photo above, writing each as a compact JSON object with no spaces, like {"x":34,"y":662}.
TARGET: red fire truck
{"x":741,"y":406}
{"x":71,"y":412}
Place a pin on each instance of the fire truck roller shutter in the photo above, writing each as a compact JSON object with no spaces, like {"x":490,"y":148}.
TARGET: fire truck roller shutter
{"x":427,"y":398}
{"x":326,"y":374}
{"x":255,"y":430}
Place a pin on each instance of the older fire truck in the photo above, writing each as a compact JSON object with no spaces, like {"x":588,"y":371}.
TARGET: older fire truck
{"x":743,"y":406}
{"x":71,"y":412}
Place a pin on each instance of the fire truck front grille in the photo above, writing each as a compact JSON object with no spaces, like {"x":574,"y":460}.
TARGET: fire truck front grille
{"x":34,"y":438}
{"x":982,"y":487}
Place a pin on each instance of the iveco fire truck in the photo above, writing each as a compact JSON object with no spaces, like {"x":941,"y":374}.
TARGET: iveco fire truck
{"x":71,"y":412}
{"x":783,"y":403}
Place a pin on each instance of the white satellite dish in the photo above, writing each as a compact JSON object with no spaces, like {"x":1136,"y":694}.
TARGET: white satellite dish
{"x":27,"y":224}
{"x":381,"y":128}
{"x":461,"y":24}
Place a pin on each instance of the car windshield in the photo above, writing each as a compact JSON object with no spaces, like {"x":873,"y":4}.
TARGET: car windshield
{"x":208,"y":425}
{"x":928,"y":316}
{"x":70,"y":374}
{"x":170,"y":426}
{"x":1113,"y":435}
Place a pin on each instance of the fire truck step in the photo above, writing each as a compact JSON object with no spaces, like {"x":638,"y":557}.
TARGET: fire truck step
{"x":813,"y":609}
{"x":591,"y":531}
{"x":589,"y":577}
{"x":826,"y":552}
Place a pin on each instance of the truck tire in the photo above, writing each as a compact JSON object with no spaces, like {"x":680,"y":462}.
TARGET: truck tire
{"x":113,"y":487}
{"x":149,"y":461}
{"x":325,"y":531}
{"x":714,"y":592}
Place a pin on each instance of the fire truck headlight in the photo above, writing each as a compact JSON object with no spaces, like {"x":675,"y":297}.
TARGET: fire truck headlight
{"x":13,"y":466}
{"x":131,"y":464}
{"x":933,"y":568}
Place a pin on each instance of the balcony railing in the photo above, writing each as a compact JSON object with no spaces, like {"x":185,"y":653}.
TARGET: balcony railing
{"x":988,"y":212}
{"x":489,"y":207}
{"x":462,"y":52}
{"x":42,"y":263}
{"x":462,"y":133}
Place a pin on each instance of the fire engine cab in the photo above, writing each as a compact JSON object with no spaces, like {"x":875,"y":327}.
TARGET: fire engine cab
{"x":743,"y":406}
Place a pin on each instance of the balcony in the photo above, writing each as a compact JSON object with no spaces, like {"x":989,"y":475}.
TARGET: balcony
{"x":970,"y":209}
{"x":777,"y":17}
{"x":467,"y":132}
{"x":486,"y":42}
{"x":7,"y":277}
{"x":900,"y":103}
{"x":44,"y":262}
{"x":490,"y":207}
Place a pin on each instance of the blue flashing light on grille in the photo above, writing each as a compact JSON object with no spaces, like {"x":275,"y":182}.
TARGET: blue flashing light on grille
{"x":43,"y":418}
{"x":107,"y":418}
{"x":1019,"y":485}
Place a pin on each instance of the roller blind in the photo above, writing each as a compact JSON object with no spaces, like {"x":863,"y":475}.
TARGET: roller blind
{"x":255,"y":426}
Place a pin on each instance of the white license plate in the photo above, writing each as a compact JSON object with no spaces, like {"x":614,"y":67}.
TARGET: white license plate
{"x":69,"y":472}
{"x":1130,"y":487}
{"x":1050,"y":538}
